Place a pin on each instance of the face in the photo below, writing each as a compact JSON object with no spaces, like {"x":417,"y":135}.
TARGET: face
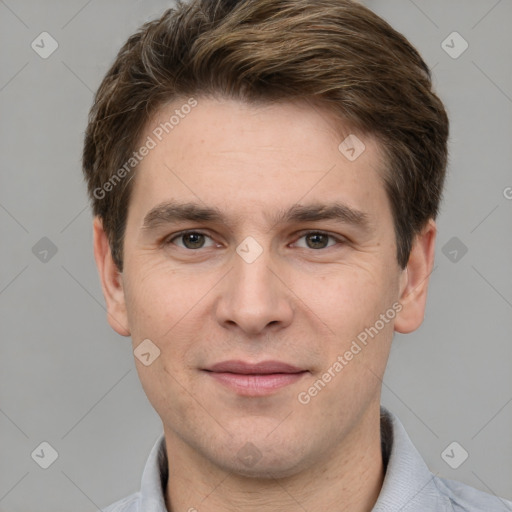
{"x":290,"y":258}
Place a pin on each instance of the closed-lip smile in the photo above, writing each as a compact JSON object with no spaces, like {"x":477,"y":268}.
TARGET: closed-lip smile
{"x":255,"y":379}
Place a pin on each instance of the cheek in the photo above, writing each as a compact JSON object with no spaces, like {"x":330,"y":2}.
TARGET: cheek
{"x":349,"y":303}
{"x":172,"y":309}
{"x":157,"y":297}
{"x":160,"y":303}
{"x":347,"y":292}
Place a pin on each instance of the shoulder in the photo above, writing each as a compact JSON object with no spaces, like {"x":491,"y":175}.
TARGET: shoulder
{"x":128,"y":504}
{"x":465,"y":498}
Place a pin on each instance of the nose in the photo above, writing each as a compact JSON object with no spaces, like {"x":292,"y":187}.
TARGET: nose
{"x":254,"y":296}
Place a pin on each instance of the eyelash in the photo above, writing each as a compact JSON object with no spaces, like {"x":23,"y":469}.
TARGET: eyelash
{"x":340,"y":240}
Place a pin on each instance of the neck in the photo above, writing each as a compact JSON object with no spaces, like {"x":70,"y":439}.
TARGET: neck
{"x":348,"y":478}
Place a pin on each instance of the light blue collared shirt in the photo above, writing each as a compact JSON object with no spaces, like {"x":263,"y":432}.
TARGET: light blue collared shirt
{"x":409,"y":486}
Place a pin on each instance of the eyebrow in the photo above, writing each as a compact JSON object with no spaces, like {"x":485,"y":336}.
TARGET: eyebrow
{"x":173,"y":211}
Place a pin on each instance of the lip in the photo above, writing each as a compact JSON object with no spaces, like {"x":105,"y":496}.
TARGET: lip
{"x":255,"y":379}
{"x":261,"y":368}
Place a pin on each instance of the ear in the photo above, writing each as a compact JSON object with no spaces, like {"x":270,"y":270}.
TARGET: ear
{"x":111,"y":280}
{"x":414,"y":280}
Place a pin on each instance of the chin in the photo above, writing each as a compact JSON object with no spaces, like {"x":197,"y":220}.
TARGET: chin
{"x":268,"y":471}
{"x":265,"y":464}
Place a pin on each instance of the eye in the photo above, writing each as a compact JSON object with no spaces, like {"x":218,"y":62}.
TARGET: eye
{"x":191,"y":240}
{"x":318,"y":240}
{"x":194,"y":240}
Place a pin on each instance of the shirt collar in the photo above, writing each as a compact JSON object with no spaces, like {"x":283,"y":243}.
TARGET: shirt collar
{"x":408,"y":483}
{"x":154,"y":479}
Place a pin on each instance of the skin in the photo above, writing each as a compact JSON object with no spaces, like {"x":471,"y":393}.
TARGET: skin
{"x":295,"y":303}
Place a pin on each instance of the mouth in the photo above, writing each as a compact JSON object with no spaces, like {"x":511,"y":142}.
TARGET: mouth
{"x":255,"y":379}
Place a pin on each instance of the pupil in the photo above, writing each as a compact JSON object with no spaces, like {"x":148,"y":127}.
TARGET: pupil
{"x":195,"y":240}
{"x":318,"y":239}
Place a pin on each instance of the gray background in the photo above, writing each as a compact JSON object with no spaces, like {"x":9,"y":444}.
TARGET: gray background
{"x":68,"y":379}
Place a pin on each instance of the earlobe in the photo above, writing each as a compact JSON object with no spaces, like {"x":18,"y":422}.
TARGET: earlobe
{"x":414,"y":280}
{"x":111,"y":280}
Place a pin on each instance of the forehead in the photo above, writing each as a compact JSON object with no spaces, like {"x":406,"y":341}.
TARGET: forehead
{"x":246,"y":157}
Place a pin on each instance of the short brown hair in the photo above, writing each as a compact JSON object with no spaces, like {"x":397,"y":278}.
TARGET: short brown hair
{"x":334,"y":52}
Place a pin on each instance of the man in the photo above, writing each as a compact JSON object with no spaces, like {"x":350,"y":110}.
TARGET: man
{"x":265,"y":177}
